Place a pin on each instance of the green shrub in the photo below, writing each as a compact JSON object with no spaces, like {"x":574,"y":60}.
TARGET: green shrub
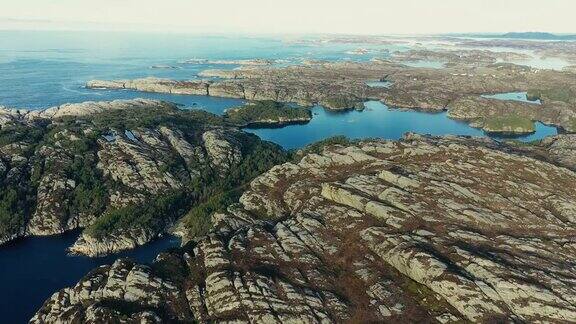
{"x":153,"y":215}
{"x":509,"y":123}
{"x":198,"y":220}
{"x":11,"y":217}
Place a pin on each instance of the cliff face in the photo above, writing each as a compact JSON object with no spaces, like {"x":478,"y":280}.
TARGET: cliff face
{"x":125,"y":170}
{"x":423,"y":229}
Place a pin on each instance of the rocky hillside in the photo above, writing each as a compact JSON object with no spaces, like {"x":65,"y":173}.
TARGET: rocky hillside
{"x":123,"y":170}
{"x":424,"y":229}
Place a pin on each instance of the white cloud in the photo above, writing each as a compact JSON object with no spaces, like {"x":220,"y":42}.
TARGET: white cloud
{"x":293,"y":16}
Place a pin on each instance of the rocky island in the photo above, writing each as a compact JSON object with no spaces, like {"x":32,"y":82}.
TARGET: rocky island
{"x":268,"y":114}
{"x":446,"y":230}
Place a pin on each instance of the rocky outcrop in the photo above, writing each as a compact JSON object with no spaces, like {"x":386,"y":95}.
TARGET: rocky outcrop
{"x":114,"y":242}
{"x":154,"y":85}
{"x":11,"y":116}
{"x":124,"y":280}
{"x":93,"y":107}
{"x":424,"y":229}
{"x":115,"y":169}
{"x":231,"y":62}
{"x":561,"y":149}
{"x":222,"y":148}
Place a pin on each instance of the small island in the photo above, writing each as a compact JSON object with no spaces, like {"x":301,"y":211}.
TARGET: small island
{"x":267,"y":113}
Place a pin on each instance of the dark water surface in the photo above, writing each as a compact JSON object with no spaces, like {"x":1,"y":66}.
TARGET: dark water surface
{"x":32,"y":269}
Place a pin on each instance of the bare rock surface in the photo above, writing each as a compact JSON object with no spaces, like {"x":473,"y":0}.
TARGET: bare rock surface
{"x":423,"y":229}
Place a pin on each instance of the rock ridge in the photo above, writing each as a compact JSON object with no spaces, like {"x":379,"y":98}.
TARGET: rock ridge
{"x":435,"y":229}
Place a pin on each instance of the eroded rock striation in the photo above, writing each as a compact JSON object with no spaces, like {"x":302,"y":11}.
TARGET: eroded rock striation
{"x":423,"y":229}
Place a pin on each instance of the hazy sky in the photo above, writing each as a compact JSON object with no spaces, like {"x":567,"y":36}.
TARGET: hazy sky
{"x":293,"y":16}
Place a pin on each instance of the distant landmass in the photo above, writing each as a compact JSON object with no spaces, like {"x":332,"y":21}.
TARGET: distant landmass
{"x":539,"y":35}
{"x":521,"y":35}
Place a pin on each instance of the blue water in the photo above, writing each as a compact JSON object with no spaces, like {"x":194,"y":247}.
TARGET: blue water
{"x":44,"y":69}
{"x":32,"y":269}
{"x":377,"y":120}
{"x":513,"y":96}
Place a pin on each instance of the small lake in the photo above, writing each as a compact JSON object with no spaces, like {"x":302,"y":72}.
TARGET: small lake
{"x":34,"y":268}
{"x":377,"y":120}
{"x":513,"y":96}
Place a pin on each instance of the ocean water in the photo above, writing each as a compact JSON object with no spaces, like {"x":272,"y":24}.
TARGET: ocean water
{"x":44,"y":69}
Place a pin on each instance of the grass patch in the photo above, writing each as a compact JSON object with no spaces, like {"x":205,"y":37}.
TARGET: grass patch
{"x":509,"y":124}
{"x":556,"y":94}
{"x":571,"y":126}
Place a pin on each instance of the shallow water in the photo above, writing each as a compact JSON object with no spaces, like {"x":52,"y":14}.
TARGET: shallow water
{"x":513,"y":96}
{"x":550,"y":63}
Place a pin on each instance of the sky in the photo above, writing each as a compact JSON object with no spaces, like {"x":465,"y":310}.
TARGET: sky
{"x":292,"y":16}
